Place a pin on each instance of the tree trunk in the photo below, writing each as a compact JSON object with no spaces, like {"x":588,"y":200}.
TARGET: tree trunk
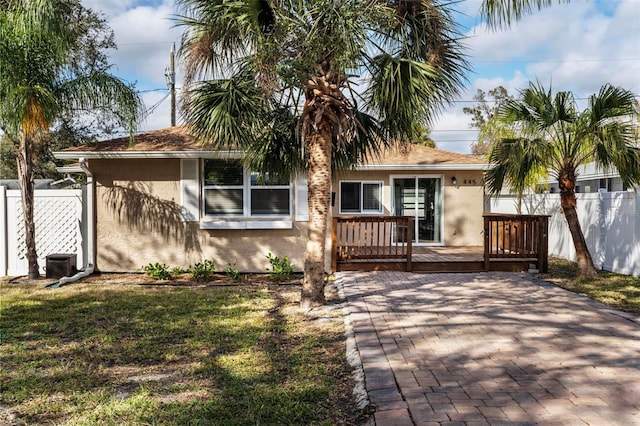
{"x":319,"y":178}
{"x":585,"y":262}
{"x":24,"y":159}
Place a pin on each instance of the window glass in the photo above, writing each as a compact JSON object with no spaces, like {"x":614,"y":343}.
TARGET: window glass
{"x":371,"y":197}
{"x":350,"y":197}
{"x":223,"y":201}
{"x":270,"y":201}
{"x":223,"y":172}
{"x":268,"y":179}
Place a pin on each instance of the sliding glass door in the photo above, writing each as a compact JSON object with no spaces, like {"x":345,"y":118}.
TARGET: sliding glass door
{"x":420,"y":197}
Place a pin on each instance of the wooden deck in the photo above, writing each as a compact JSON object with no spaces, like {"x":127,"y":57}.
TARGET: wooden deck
{"x":440,"y":259}
{"x":511,"y":243}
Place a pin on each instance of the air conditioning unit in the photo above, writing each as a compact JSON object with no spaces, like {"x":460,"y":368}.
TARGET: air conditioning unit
{"x":61,"y":265}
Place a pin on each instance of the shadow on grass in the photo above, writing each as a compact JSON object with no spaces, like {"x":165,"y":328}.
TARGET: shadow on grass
{"x":141,"y":355}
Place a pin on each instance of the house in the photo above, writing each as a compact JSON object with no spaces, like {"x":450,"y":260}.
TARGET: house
{"x":166,"y":198}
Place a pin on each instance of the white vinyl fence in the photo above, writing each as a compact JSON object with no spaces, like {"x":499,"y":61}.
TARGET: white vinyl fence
{"x":610,"y":222}
{"x":59,"y":228}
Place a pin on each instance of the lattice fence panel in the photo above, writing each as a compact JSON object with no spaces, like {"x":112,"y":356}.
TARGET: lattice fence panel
{"x":57,"y":229}
{"x":58,"y":218}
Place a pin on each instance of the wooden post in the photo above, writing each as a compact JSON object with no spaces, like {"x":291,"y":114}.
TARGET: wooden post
{"x":543,"y":244}
{"x":487,"y":242}
{"x":334,"y":245}
{"x":409,"y":267}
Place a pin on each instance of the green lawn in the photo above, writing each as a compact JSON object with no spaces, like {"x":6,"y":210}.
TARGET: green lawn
{"x":133,"y":354}
{"x":619,"y":291}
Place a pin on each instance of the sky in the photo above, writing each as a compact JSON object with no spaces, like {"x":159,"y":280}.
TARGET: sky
{"x":577,"y":47}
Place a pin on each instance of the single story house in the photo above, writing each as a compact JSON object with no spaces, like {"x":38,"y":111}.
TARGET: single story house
{"x":169,"y":199}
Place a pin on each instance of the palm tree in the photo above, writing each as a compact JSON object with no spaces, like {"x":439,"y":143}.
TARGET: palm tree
{"x":338,"y":75}
{"x":41,"y":79}
{"x":554,"y":135}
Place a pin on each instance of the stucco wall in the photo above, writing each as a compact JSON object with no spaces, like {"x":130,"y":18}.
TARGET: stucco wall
{"x":463,"y":203}
{"x":139,"y":222}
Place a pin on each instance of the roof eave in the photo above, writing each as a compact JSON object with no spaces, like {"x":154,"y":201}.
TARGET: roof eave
{"x":76,"y":155}
{"x":424,"y":166}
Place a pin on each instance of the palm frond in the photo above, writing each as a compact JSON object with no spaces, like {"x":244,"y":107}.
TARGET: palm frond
{"x":402,"y":94}
{"x":369,"y":140}
{"x":220,"y":32}
{"x":519,"y":163}
{"x":503,"y":13}
{"x":276,"y":150}
{"x":228,"y":113}
{"x":103,"y":92}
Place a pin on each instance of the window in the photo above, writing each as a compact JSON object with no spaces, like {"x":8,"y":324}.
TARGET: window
{"x":360,"y":197}
{"x":223,"y":188}
{"x":231,"y":190}
{"x":269,"y":194}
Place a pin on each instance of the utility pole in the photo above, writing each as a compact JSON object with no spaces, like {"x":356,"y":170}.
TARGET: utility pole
{"x":170,"y":74}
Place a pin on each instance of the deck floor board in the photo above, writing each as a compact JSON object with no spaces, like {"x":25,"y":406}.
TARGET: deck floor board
{"x":439,"y":259}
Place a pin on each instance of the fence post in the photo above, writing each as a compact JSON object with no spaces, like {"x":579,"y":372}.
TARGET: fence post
{"x":334,"y":244}
{"x":487,"y":234}
{"x":409,"y":267}
{"x":543,"y":244}
{"x":3,"y":231}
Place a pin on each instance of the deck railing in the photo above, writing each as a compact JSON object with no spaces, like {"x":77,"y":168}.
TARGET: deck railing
{"x":511,"y":236}
{"x":371,"y":238}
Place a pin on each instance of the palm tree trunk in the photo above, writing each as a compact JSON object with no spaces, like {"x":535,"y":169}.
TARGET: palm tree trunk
{"x":319,"y":178}
{"x":24,"y":160}
{"x":585,"y":262}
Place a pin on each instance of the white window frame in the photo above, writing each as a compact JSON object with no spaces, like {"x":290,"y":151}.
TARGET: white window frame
{"x":246,"y":196}
{"x":362,"y":183}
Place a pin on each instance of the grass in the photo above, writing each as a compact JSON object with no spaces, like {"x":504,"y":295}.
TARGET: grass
{"x":113,"y":354}
{"x":619,"y":291}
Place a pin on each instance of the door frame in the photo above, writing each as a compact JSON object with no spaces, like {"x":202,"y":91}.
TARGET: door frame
{"x":442,"y":206}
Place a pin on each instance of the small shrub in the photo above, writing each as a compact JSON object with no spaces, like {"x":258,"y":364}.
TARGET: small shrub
{"x":232,"y":272}
{"x":202,"y":271}
{"x":177,"y":271}
{"x":157,"y":271}
{"x":281,"y":269}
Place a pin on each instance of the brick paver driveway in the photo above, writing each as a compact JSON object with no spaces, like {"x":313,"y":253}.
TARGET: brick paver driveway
{"x":494,"y":348}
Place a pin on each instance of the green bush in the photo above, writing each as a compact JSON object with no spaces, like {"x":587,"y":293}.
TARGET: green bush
{"x":157,"y":271}
{"x":202,"y":271}
{"x":281,"y":269}
{"x":177,"y":271}
{"x":232,"y":272}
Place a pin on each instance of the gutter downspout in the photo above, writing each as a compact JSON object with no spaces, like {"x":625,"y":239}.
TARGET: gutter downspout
{"x":90,"y":262}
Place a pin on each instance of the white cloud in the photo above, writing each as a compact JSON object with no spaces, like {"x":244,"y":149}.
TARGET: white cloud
{"x":109,"y":7}
{"x":577,"y":46}
{"x":144,"y":35}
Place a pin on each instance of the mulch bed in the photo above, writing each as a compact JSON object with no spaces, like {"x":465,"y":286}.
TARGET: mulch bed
{"x":217,"y":279}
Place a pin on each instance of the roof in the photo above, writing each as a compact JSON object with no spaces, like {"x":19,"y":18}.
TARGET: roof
{"x":170,"y":139}
{"x":176,"y":142}
{"x":418,"y":156}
